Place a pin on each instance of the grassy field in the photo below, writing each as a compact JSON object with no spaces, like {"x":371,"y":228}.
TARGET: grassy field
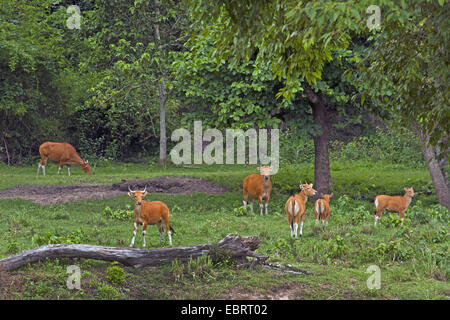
{"x":413,"y":258}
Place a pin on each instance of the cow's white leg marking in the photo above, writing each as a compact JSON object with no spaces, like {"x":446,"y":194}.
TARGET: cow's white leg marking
{"x":143,"y":238}
{"x":134,"y":235}
{"x":170,"y":237}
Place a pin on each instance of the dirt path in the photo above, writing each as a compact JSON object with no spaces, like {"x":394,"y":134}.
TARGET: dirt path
{"x":49,"y":194}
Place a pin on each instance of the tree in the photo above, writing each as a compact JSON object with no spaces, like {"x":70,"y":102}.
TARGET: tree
{"x":298,"y":42}
{"x":405,"y":72}
{"x":33,"y":74}
{"x":131,"y":46}
{"x":299,"y":38}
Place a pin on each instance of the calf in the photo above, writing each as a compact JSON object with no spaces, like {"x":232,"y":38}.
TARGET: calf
{"x":397,"y":204}
{"x":258,"y":186}
{"x":149,"y":213}
{"x":322,"y":208}
{"x":296,"y":207}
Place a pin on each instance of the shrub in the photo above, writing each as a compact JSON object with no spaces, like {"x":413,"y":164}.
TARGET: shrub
{"x":119,"y":214}
{"x":115,"y":274}
{"x":107,"y":292}
{"x":390,"y":251}
{"x":420,"y":214}
{"x":177,"y":270}
{"x":336,"y":247}
{"x":76,"y":236}
{"x":373,"y":148}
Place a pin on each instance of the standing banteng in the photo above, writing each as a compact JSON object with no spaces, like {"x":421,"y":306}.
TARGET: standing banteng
{"x":322,"y":208}
{"x":149,"y":213}
{"x":397,"y":204}
{"x":296,"y":207}
{"x":258,"y":186}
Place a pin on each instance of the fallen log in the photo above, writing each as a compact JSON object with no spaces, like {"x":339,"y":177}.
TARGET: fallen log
{"x":238,"y":247}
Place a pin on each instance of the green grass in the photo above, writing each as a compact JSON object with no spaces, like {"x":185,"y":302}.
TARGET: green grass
{"x":413,"y":258}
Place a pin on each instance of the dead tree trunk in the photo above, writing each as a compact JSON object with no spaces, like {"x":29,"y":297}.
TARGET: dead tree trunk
{"x":239,"y":247}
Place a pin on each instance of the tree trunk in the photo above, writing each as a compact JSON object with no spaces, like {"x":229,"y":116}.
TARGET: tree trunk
{"x":239,"y":247}
{"x":322,"y":176}
{"x":162,"y":122}
{"x":162,"y":97}
{"x":440,"y":181}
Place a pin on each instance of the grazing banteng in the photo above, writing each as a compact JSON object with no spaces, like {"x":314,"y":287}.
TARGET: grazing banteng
{"x":397,"y":204}
{"x":258,"y":186}
{"x":61,"y":152}
{"x":149,"y":213}
{"x":322,"y":208}
{"x":296,"y":207}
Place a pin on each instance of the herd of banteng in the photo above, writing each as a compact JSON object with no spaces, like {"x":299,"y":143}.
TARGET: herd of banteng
{"x":256,"y":186}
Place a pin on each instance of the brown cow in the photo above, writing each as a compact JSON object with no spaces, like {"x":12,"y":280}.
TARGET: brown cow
{"x":322,"y":208}
{"x":61,"y":152}
{"x":296,"y":207}
{"x":397,"y":204}
{"x":258,"y":185}
{"x":149,"y":213}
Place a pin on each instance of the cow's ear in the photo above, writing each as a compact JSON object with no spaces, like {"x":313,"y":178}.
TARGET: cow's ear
{"x":332,"y":195}
{"x":130,"y":194}
{"x":144,"y":194}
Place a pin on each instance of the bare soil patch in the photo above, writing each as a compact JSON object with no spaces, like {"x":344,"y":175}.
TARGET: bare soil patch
{"x":50,"y":194}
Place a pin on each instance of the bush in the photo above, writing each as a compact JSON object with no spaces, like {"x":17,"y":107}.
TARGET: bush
{"x":119,"y":214}
{"x":336,"y":247}
{"x":115,"y":274}
{"x":373,"y":148}
{"x":76,"y":236}
{"x":390,"y":251}
{"x":107,"y":292}
{"x":420,"y":214}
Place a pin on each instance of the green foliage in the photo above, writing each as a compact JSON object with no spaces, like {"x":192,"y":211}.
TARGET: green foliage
{"x":336,"y":247}
{"x":418,"y":213}
{"x":358,"y":215}
{"x":119,"y":214}
{"x":402,"y":148}
{"x":115,"y":274}
{"x":295,"y":148}
{"x":177,"y":270}
{"x":404,"y":70}
{"x":200,"y":268}
{"x":107,"y":292}
{"x":77,"y":236}
{"x":393,"y":250}
{"x":12,"y":246}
